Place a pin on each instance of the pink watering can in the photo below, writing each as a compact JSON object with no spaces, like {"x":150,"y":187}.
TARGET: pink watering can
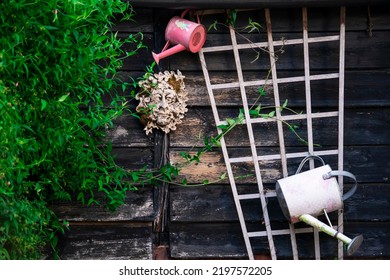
{"x":184,"y":35}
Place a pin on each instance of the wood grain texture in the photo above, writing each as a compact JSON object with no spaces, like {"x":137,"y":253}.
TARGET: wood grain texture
{"x":127,"y":131}
{"x":138,"y":206}
{"x":133,"y":158}
{"x":140,"y":22}
{"x":214,"y":204}
{"x":362,"y":127}
{"x":320,"y":19}
{"x":181,"y":4}
{"x":366,"y":162}
{"x":322,"y":56}
{"x":224,"y":241}
{"x":107,"y":242}
{"x":362,"y":88}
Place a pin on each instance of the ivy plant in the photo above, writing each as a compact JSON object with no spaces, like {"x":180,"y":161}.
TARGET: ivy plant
{"x":58,"y":61}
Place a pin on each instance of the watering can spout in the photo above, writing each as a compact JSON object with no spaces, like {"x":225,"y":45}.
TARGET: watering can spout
{"x":168,"y":52}
{"x":353,"y":244}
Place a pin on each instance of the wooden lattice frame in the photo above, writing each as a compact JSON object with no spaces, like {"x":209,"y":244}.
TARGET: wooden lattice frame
{"x":308,"y":116}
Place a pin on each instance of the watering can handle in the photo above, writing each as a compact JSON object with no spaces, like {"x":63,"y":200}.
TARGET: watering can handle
{"x":346,"y":174}
{"x":306,"y":159}
{"x":183,"y":14}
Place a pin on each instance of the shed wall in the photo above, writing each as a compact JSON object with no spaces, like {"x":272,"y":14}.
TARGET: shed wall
{"x":201,"y":222}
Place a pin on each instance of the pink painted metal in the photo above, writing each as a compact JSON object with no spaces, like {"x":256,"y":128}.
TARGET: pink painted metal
{"x":184,"y":35}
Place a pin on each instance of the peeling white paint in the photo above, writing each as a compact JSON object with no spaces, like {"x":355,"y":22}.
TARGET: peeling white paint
{"x":119,"y":132}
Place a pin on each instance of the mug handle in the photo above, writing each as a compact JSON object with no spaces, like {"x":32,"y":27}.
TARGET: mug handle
{"x":306,"y":159}
{"x":331,"y":174}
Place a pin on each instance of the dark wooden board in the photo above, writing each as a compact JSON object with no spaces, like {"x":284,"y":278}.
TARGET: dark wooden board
{"x":127,"y":131}
{"x":323,"y":56}
{"x":143,"y":56}
{"x":133,"y":158}
{"x":107,"y":242}
{"x":362,"y":127}
{"x":181,"y":4}
{"x":289,"y":19}
{"x":362,"y":88}
{"x":140,"y":22}
{"x":138,"y":206}
{"x":369,"y":164}
{"x":225,"y":241}
{"x":214,"y":204}
{"x":286,"y":23}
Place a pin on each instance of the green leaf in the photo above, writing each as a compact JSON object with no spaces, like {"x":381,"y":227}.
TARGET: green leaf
{"x":232,"y":17}
{"x":43,"y":104}
{"x":213,"y":26}
{"x":206,"y":141}
{"x":265,"y":116}
{"x":223,"y":126}
{"x":262,"y":92}
{"x":254,"y":113}
{"x":135,"y":115}
{"x":230,"y":121}
{"x":134,"y":176}
{"x":63,"y":98}
{"x":196,"y":158}
{"x":91,"y":201}
{"x":101,"y":38}
{"x":241,"y":115}
{"x":185,"y":155}
{"x":54,"y":241}
{"x":215,"y":141}
{"x":48,"y":27}
{"x":80,"y":197}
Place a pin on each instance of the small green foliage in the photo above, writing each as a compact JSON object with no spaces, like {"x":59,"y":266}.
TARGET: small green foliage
{"x":58,"y":61}
{"x":262,"y":91}
{"x":231,"y":17}
{"x":253,"y":26}
{"x":213,"y":26}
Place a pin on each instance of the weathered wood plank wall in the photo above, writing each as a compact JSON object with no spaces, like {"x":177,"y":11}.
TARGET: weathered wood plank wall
{"x":201,"y":222}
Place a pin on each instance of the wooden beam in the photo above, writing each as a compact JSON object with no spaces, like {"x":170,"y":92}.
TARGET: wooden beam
{"x":201,"y":4}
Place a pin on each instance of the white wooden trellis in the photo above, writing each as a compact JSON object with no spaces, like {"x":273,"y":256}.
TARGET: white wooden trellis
{"x":283,"y":156}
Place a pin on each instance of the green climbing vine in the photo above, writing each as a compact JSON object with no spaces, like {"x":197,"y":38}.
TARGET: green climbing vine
{"x":58,"y":63}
